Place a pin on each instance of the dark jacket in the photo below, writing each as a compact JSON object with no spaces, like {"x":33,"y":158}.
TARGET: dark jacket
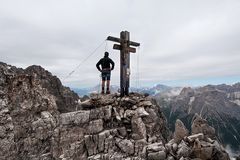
{"x":105,"y":64}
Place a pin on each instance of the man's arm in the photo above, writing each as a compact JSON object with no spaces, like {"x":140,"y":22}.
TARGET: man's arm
{"x":112,"y":63}
{"x":98,"y":64}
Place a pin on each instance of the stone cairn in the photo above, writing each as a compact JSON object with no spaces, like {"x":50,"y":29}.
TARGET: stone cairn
{"x":115,"y":128}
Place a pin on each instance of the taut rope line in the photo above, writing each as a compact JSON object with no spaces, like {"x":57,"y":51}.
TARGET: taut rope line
{"x":84,"y":60}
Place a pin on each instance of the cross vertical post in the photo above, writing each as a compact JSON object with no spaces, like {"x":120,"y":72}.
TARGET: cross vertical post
{"x":124,"y":63}
{"x":125,"y":50}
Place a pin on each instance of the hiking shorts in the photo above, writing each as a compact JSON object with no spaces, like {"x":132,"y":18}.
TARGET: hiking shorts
{"x":106,"y":75}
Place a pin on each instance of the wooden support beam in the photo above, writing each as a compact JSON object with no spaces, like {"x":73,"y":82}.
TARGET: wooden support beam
{"x":117,"y":46}
{"x":114,"y":39}
{"x":132,"y":50}
{"x":129,"y":49}
{"x":135,"y":44}
{"x":118,"y":40}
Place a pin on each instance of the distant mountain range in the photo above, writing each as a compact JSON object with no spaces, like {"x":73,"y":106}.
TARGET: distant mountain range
{"x":155,"y":90}
{"x":218,"y":104}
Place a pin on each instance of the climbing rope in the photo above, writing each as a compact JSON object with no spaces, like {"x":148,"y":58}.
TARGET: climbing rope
{"x":84,"y":60}
{"x":106,"y":46}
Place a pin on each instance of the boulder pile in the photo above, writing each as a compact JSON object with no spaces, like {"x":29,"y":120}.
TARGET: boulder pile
{"x":201,"y":144}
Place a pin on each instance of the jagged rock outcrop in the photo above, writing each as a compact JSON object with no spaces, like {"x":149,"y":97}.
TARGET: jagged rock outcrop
{"x":28,"y":116}
{"x":180,"y":131}
{"x":198,"y":145}
{"x":106,"y":127}
{"x":66,"y":99}
{"x":200,"y":125}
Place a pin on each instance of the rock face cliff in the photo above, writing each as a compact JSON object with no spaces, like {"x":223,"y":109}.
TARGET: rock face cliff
{"x":66,"y":99}
{"x":37,"y":124}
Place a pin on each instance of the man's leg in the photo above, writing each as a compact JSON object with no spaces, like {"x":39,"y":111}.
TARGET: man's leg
{"x":108,"y":82}
{"x":103,"y":85}
{"x":108,"y":87}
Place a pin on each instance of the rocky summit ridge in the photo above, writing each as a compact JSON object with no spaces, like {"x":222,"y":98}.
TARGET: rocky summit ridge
{"x":43,"y":120}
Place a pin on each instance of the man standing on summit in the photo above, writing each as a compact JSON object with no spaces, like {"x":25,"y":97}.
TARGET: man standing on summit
{"x":106,"y":70}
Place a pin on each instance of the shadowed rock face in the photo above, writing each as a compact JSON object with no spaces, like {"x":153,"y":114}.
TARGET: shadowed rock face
{"x":66,"y":99}
{"x":107,"y":127}
{"x":28,"y":115}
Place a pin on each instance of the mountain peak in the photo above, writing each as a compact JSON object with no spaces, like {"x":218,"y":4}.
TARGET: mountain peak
{"x":41,"y":119}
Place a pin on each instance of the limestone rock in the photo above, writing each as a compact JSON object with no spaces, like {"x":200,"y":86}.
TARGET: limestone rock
{"x":91,"y":144}
{"x":200,"y":125}
{"x":86,"y":104}
{"x":170,"y":158}
{"x":146,"y":103}
{"x":199,"y":136}
{"x":95,"y":126}
{"x":180,"y":131}
{"x":161,"y":155}
{"x":77,"y":118}
{"x":155,"y":147}
{"x":141,"y":112}
{"x":129,"y":113}
{"x":140,"y":148}
{"x":126,"y":146}
{"x":183,"y":150}
{"x":174,"y":147}
{"x":204,"y":152}
{"x":138,"y":128}
{"x":2,"y":132}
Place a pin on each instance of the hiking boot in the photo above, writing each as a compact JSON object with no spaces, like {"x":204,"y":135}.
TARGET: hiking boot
{"x":102,"y":90}
{"x":108,"y":92}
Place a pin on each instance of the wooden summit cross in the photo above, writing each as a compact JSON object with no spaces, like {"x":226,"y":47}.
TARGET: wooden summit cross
{"x":125,"y":49}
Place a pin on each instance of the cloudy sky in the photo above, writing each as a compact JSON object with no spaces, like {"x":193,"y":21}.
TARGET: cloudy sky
{"x":183,"y":42}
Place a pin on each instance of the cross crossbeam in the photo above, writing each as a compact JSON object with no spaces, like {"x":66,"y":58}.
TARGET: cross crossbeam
{"x":119,"y":47}
{"x":125,"y":49}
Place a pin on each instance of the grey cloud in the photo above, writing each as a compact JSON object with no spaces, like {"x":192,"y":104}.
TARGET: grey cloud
{"x":179,"y":39}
